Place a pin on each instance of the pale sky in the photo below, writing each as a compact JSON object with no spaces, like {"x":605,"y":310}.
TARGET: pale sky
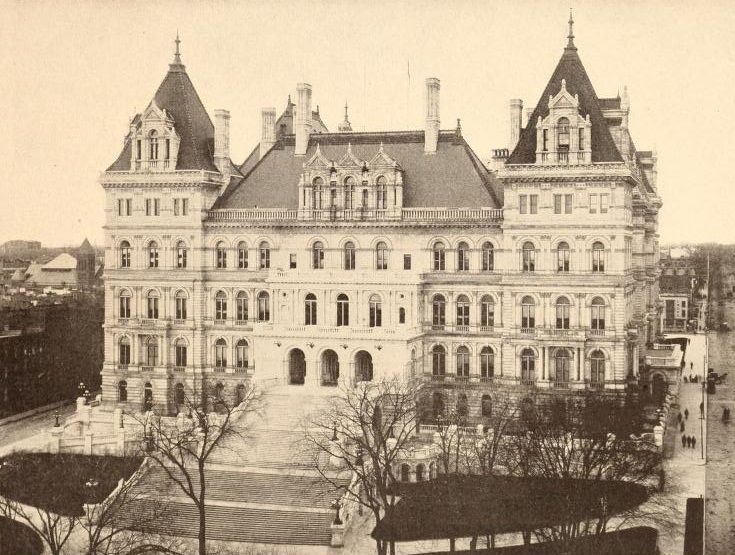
{"x":73,"y":73}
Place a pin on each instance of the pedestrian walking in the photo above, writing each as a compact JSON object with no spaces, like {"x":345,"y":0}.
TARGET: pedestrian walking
{"x":686,"y":414}
{"x":681,"y":426}
{"x":694,"y":442}
{"x":678,"y":417}
{"x":686,"y":380}
{"x":683,"y":440}
{"x":701,"y":409}
{"x":689,"y":441}
{"x":691,"y":365}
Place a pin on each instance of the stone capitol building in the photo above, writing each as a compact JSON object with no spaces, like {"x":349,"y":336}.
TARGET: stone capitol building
{"x":331,"y":258}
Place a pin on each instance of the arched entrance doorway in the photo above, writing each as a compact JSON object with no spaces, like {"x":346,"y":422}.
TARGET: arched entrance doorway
{"x":296,"y":367}
{"x":363,"y":367}
{"x":330,"y":367}
{"x":658,"y":388}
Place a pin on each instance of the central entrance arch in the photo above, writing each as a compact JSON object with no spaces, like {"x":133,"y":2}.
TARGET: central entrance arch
{"x":363,"y":367}
{"x":330,"y":367}
{"x":296,"y":367}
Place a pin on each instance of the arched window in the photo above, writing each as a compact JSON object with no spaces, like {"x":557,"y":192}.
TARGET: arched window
{"x":562,"y":313}
{"x":124,"y":354}
{"x":437,"y":405}
{"x":343,"y":310}
{"x":152,"y":351}
{"x":310,"y":310}
{"x":401,"y":315}
{"x":122,"y":391}
{"x":349,"y":193}
{"x":487,"y":311}
{"x":487,"y":363}
{"x":181,"y":254}
{"x":180,"y":354}
{"x":220,"y":306}
{"x":438,"y":312}
{"x":598,"y":257}
{"x":317,"y":255}
{"x":242,"y":255}
{"x":488,"y":257}
{"x":463,"y":257}
{"x":528,"y":313}
{"x":463,"y":362}
{"x":241,"y":354}
{"x":528,"y":257}
{"x":381,"y":193}
{"x":221,"y":253}
{"x":153,"y":254}
{"x":153,"y":145}
{"x":405,"y":472}
{"x":179,"y":395}
{"x":316,"y":193}
{"x":240,"y":393}
{"x":264,"y":310}
{"x":152,"y":299}
{"x":381,"y":256}
{"x":242,"y":306}
{"x":125,"y":254}
{"x":438,"y":360}
{"x":265,"y":255}
{"x":597,"y":369}
{"x":125,"y":304}
{"x":462,"y":406}
{"x":376,"y":311}
{"x":439,"y":256}
{"x":180,"y":305}
{"x":562,"y":257}
{"x":562,"y":367}
{"x":349,"y":255}
{"x":219,"y":397}
{"x":597,"y":314}
{"x":420,"y":472}
{"x":562,"y":134}
{"x":486,"y":406}
{"x":463,"y":310}
{"x":220,"y":353}
{"x":528,"y":365}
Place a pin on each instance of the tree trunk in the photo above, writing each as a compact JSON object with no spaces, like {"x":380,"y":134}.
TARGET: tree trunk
{"x":381,"y":547}
{"x":202,"y":512}
{"x":451,"y":545}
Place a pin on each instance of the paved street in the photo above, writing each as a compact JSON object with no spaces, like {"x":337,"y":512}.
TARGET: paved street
{"x":720,"y":483}
{"x":18,"y":434}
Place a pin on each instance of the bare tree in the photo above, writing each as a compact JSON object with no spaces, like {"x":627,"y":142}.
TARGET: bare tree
{"x":54,"y":529}
{"x":364,"y":432}
{"x":182,"y":446}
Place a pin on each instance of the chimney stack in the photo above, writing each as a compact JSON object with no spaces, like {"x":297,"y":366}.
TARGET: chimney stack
{"x":302,"y":125}
{"x":222,"y":140}
{"x":268,"y":130}
{"x":431,"y":133}
{"x":516,"y":121}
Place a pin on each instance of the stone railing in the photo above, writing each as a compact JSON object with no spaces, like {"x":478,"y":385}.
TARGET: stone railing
{"x":430,"y":214}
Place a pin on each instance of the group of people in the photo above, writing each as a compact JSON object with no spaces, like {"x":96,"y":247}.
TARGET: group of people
{"x":693,"y":378}
{"x":688,"y":441}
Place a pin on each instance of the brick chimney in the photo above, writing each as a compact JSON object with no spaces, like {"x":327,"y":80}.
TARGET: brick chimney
{"x":267,"y":130}
{"x":302,"y":125}
{"x":222,"y":140}
{"x":516,"y":121}
{"x":431,"y":132}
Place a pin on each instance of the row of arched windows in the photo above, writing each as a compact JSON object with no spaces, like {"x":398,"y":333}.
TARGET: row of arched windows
{"x":151,"y":353}
{"x":563,"y":257}
{"x":181,"y":255}
{"x":179,"y":394}
{"x":324,"y":196}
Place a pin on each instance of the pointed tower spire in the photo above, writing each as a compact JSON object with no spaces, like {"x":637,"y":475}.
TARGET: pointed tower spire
{"x":570,"y":36}
{"x":345,"y":126}
{"x":176,"y":65}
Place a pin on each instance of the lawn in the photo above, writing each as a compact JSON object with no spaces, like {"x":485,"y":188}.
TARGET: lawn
{"x":466,"y":506}
{"x":18,"y":539}
{"x":62,"y":483}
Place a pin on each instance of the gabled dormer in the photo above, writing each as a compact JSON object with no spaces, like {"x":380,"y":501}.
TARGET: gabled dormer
{"x":564,"y":136}
{"x":154,"y":139}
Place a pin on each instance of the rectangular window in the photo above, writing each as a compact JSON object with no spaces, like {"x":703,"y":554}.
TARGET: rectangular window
{"x":593,"y":203}
{"x":581,"y":138}
{"x":568,"y":203}
{"x":124,"y":207}
{"x":533,"y":204}
{"x":181,"y":206}
{"x":604,"y":203}
{"x":156,"y":207}
{"x":523,"y":204}
{"x":406,"y":261}
{"x":292,"y":262}
{"x":138,"y":149}
{"x":180,"y":355}
{"x":124,"y":307}
{"x":176,"y":207}
{"x":557,"y":204}
{"x":148,"y":206}
{"x":545,"y":137}
{"x":152,"y":206}
{"x":168,"y":149}
{"x":181,"y":311}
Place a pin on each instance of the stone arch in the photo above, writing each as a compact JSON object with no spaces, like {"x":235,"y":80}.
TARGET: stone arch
{"x":329,"y":361}
{"x":296,"y":367}
{"x":363,"y":366}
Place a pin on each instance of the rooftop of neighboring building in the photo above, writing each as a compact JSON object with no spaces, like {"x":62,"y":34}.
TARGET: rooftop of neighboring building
{"x":679,"y":285}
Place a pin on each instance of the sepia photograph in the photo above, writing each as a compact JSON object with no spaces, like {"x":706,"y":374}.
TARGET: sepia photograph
{"x":336,"y":277}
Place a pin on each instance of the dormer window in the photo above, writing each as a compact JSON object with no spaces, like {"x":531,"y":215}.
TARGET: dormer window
{"x":562,"y":134}
{"x":316,"y":194}
{"x":153,"y":145}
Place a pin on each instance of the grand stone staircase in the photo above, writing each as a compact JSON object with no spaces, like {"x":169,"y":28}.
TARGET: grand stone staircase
{"x":260,"y":487}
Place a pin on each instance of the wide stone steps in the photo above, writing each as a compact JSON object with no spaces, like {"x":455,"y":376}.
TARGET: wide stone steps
{"x":236,"y":524}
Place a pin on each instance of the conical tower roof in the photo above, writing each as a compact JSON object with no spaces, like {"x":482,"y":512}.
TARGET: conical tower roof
{"x":578,"y":82}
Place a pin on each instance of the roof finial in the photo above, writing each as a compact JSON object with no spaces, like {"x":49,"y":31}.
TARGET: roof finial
{"x":570,"y":36}
{"x":177,"y":54}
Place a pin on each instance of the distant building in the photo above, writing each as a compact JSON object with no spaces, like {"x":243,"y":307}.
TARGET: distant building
{"x":18,"y":248}
{"x":676,"y":295}
{"x":77,"y":271}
